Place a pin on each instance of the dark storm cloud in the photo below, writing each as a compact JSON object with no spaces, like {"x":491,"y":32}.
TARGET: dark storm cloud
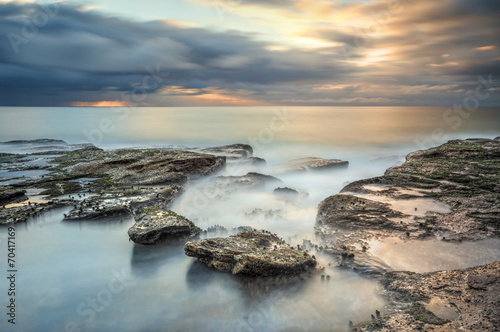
{"x":84,"y":51}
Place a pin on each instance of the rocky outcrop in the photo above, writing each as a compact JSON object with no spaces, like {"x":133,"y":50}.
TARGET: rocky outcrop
{"x":22,"y":213}
{"x":10,"y":195}
{"x":163,"y":198}
{"x":458,"y":300}
{"x":156,"y":224}
{"x":451,"y":192}
{"x":351,"y":212}
{"x":310,"y":164}
{"x":250,"y":181}
{"x":251,"y":253}
{"x":96,"y":213}
{"x":37,"y":141}
{"x":233,"y":151}
{"x":141,"y":167}
{"x":286,"y":191}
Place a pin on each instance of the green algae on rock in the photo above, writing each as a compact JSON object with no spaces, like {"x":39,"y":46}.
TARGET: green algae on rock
{"x":451,"y":191}
{"x":457,"y":300}
{"x":155,"y":224}
{"x":251,"y":253}
{"x":11,"y":195}
{"x":140,"y":167}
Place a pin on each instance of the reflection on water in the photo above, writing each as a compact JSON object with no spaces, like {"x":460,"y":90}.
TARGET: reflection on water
{"x":434,"y":255}
{"x":442,"y":309}
{"x":65,"y":264}
{"x":33,"y":197}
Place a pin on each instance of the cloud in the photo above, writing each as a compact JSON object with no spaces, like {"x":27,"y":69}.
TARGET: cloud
{"x":332,"y":53}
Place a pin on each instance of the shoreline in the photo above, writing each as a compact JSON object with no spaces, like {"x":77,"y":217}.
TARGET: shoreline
{"x":125,"y":177}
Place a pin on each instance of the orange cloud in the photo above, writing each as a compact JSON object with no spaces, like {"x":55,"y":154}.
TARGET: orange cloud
{"x":220,"y":100}
{"x":102,"y":103}
{"x":486,"y":48}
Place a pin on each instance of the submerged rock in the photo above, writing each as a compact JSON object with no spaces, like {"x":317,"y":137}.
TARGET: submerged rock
{"x":311,"y":163}
{"x":250,"y":181}
{"x":290,"y":193}
{"x":156,"y":224}
{"x":256,"y":161}
{"x":286,"y":191}
{"x":251,"y":253}
{"x":233,"y":151}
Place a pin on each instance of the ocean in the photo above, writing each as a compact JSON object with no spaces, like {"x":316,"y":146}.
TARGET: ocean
{"x":90,"y":277}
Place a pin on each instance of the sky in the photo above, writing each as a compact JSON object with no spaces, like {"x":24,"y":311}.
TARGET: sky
{"x":250,"y":53}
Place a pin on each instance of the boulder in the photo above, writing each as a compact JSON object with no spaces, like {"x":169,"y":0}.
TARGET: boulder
{"x":251,"y":253}
{"x":156,"y":224}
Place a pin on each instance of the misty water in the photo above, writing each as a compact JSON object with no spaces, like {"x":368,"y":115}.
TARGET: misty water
{"x":64,"y":266}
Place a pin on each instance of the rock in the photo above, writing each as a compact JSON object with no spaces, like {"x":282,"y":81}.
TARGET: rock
{"x":156,"y":224}
{"x":497,"y":138}
{"x":37,"y":141}
{"x":481,"y":281}
{"x":468,"y":298}
{"x":450,"y":192}
{"x":10,"y":195}
{"x":478,"y":140}
{"x":162,"y":199}
{"x":250,"y":181}
{"x":311,"y":163}
{"x":348,"y":212}
{"x":102,"y":213}
{"x":268,"y":214}
{"x":290,"y":193}
{"x":141,"y":167}
{"x":233,"y":151}
{"x":286,"y":191}
{"x":252,"y":161}
{"x":251,"y":253}
{"x":90,"y":148}
{"x":22,"y":213}
{"x":255,"y":161}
